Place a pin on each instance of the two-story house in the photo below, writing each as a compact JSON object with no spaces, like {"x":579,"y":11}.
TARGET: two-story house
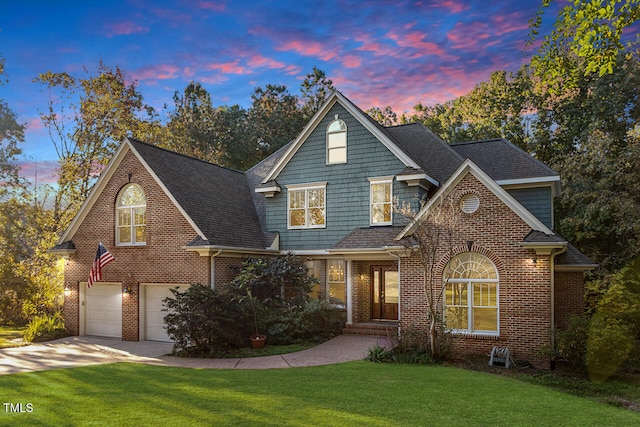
{"x":332,"y":196}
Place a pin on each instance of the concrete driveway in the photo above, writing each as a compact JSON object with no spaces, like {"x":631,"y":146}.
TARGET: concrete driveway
{"x":72,"y":352}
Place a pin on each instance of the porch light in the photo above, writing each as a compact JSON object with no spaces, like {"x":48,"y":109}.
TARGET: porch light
{"x":67,"y":289}
{"x":127,"y":289}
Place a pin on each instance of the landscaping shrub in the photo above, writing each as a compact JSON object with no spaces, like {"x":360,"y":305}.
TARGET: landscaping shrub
{"x":201,"y":319}
{"x":412,"y":346}
{"x":571,"y":343}
{"x":268,"y":296}
{"x":45,"y":327}
{"x":379,"y":354}
{"x":278,"y":288}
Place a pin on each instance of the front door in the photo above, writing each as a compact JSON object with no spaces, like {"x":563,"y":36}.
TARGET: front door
{"x":384,"y":288}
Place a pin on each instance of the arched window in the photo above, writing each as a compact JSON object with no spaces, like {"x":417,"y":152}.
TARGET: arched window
{"x":131,"y":216}
{"x":337,"y":142}
{"x":471,"y":294}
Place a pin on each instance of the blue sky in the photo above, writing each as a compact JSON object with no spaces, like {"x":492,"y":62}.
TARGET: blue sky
{"x":378,"y":53}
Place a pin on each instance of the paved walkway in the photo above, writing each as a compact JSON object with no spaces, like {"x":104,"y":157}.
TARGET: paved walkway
{"x":72,"y":352}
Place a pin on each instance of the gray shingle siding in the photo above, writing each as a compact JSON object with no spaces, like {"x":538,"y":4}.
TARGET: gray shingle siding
{"x":347,"y":191}
{"x":537,"y":200}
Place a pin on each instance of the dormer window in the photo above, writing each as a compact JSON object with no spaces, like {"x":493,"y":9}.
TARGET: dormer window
{"x":337,"y":142}
{"x":131,"y":216}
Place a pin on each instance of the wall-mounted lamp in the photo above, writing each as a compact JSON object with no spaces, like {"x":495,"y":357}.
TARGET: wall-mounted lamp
{"x":362,"y":277}
{"x":67,"y":289}
{"x":126,"y":289}
{"x":534,"y":260}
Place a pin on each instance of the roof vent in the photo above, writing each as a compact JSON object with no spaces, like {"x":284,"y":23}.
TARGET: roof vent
{"x":469,"y":203}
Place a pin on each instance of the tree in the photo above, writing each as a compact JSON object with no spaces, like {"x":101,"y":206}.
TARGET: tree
{"x":315,"y":90}
{"x":11,"y":136}
{"x":434,"y":232}
{"x":615,"y":327}
{"x":87,"y":118}
{"x":274,"y":118}
{"x":386,"y":117}
{"x":498,"y":108}
{"x":588,"y":32}
{"x":192,"y":125}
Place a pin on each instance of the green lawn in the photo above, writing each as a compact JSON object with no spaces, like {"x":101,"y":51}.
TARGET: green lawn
{"x":8,"y":334}
{"x":351,"y":394}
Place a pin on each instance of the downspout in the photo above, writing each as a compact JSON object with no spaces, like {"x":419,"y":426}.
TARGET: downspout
{"x":213,"y":268}
{"x":553,"y":293}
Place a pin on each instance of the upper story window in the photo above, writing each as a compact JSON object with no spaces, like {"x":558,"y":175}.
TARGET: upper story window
{"x":471,"y":295}
{"x":381,"y":198}
{"x":306,"y":206}
{"x":337,"y":142}
{"x":131,"y":216}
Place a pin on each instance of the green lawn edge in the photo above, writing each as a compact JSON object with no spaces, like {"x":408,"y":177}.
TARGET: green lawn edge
{"x":354,"y":393}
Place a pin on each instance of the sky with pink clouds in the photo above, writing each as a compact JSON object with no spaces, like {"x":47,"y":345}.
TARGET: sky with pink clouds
{"x":377,"y":53}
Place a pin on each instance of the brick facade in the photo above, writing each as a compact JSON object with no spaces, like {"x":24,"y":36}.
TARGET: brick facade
{"x":526,"y":280}
{"x":161,"y":260}
{"x":569,"y":296}
{"x":524,"y":305}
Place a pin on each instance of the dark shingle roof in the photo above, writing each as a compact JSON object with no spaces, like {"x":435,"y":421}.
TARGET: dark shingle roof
{"x":217,"y":199}
{"x":256,"y":174}
{"x":502,"y":160}
{"x":536,"y":236}
{"x":436,"y":158}
{"x":573,"y":257}
{"x":369,"y":238}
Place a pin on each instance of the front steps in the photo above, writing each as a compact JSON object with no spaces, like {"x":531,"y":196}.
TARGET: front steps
{"x":380,"y":329}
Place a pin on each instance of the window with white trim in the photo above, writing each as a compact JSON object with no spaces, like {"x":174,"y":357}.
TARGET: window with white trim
{"x":471,"y":295}
{"x":337,"y":142}
{"x":331,"y":286}
{"x":306,"y":206}
{"x":131,"y":216}
{"x":380,"y":200}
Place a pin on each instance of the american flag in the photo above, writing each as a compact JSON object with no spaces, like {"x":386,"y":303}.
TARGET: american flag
{"x":103,"y":257}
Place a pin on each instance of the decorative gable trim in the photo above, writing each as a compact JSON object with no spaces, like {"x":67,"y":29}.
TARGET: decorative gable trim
{"x":315,"y":121}
{"x":102,"y":182}
{"x":469,"y":167}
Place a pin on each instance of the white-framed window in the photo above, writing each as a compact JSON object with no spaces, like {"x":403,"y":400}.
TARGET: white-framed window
{"x":337,"y":142}
{"x":336,"y":285}
{"x":131,"y":216}
{"x":381,"y":196}
{"x":471,"y":295}
{"x":306,"y":206}
{"x":331,"y":286}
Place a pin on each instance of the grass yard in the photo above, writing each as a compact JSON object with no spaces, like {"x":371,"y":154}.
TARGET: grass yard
{"x":8,"y":334}
{"x":351,"y":394}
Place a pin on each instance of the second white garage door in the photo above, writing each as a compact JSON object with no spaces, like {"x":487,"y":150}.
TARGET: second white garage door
{"x":154,"y":295}
{"x":103,"y":310}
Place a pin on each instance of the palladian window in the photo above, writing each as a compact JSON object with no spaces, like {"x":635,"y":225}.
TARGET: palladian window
{"x":471,"y":295}
{"x":131,"y":216}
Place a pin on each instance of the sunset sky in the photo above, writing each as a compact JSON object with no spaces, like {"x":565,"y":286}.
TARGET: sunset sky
{"x":377,"y":53}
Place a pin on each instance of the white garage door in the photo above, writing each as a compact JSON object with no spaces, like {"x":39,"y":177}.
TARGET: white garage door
{"x":154,"y":327}
{"x":103,"y":310}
